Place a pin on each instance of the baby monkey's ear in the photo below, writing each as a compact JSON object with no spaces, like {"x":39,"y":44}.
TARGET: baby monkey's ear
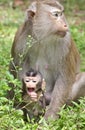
{"x":43,"y":85}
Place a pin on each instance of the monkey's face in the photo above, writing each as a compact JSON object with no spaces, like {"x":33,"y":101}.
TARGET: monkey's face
{"x":49,"y":20}
{"x":31,"y":83}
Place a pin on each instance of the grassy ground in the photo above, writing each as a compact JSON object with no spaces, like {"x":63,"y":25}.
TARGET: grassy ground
{"x":72,"y":118}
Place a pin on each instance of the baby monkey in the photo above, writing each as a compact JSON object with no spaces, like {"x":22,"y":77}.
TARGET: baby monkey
{"x":33,"y":95}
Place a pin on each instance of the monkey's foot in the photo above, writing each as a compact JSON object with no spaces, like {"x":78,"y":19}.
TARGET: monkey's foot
{"x":50,"y":114}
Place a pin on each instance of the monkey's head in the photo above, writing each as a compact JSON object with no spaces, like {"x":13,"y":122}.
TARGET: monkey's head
{"x":48,"y":19}
{"x":33,"y":81}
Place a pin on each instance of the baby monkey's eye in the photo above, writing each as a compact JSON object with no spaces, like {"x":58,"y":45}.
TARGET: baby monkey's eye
{"x":27,"y":80}
{"x":34,"y":81}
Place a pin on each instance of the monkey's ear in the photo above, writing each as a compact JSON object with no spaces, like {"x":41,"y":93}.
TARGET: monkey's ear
{"x":30,"y":14}
{"x":31,"y":10}
{"x":43,"y":84}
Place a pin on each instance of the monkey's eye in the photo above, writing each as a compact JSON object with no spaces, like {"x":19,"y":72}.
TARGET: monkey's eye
{"x":57,"y":14}
{"x":34,"y":81}
{"x":27,"y":80}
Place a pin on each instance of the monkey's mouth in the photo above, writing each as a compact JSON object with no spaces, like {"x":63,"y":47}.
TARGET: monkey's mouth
{"x":30,"y":89}
{"x":60,"y":33}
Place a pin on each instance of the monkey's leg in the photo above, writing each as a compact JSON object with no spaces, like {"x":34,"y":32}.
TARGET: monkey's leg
{"x":78,"y":89}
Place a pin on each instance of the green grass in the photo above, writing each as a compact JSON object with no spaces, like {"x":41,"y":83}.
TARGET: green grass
{"x":72,"y":118}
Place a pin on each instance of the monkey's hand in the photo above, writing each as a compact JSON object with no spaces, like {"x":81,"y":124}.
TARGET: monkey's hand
{"x":33,"y":96}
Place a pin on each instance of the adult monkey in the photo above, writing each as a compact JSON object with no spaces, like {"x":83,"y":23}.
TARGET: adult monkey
{"x":52,"y":52}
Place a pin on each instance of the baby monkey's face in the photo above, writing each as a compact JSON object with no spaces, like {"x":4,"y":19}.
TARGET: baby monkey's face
{"x":32,"y":83}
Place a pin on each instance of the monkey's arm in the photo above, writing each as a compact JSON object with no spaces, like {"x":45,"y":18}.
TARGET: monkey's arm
{"x":58,"y":98}
{"x":20,"y":40}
